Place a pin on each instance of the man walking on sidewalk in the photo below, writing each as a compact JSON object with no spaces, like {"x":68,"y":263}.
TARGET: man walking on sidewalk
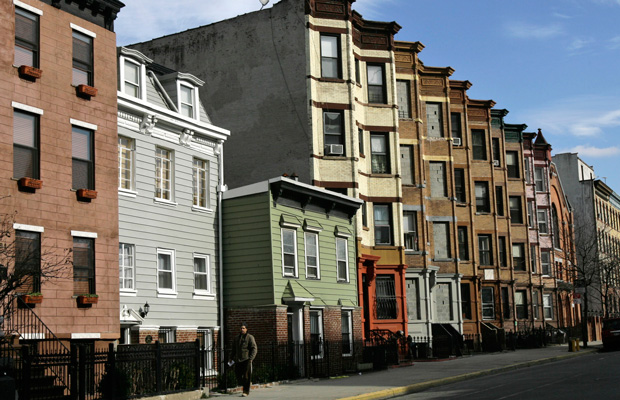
{"x":243,"y":352}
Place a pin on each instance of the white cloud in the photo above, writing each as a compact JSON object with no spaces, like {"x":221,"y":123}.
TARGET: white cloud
{"x":561,"y":16}
{"x":591,"y":151}
{"x":524,"y":30}
{"x":578,"y":44}
{"x":614,"y":43}
{"x":371,"y":9}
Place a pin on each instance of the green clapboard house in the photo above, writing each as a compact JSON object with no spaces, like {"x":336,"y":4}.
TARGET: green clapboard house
{"x":289,"y":264}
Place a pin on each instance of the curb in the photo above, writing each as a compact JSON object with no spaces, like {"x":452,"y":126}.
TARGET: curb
{"x":419,"y":387}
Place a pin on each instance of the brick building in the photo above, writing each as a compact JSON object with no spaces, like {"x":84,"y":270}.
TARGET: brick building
{"x":57,"y":141}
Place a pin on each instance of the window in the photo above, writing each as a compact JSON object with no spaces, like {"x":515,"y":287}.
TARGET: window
{"x":380,"y":154}
{"x":376,"y":84}
{"x":499,"y":200}
{"x":386,"y":307}
{"x":533,"y":257}
{"x":521,"y":304}
{"x":383,"y":224}
{"x":312,"y":255}
{"x":82,"y":151}
{"x":202,"y":269}
{"x":330,"y":57}
{"x":556,"y":228}
{"x":333,"y":129}
{"x":316,"y":333}
{"x":518,"y":256}
{"x":516,"y":215}
{"x":200,"y":183}
{"x":82,"y":59}
{"x":347,"y":333}
{"x":437,"y":172}
{"x":364,"y":208}
{"x":131,"y":79}
{"x":434,"y":122}
{"x":455,"y":126}
{"x":28,"y":261}
{"x":496,"y":152}
{"x":543,"y":223}
{"x":126,"y":266}
{"x":459,"y":185}
{"x":163,"y":174}
{"x":358,"y":78}
{"x":505,"y":302}
{"x":26,"y":38}
{"x":403,"y":91}
{"x":466,"y":300}
{"x":501,"y":243}
{"x":512,"y":164}
{"x":545,"y":262}
{"x":548,"y":306}
{"x":488,"y":303}
{"x":539,"y":179}
{"x":413,"y":299}
{"x":535,"y":303}
{"x":187,"y":106}
{"x":441,"y":240}
{"x":166,"y":282}
{"x":83,"y":266}
{"x":289,"y":252}
{"x":126,"y":155}
{"x":479,"y":146}
{"x":463,"y":243}
{"x":167,"y":334}
{"x":526,"y":168}
{"x":484,"y":250}
{"x":25,"y":145}
{"x":360,"y":137}
{"x":482,"y":197}
{"x":406,"y":164}
{"x":530,"y":214}
{"x":410,"y":228}
{"x":342,"y":258}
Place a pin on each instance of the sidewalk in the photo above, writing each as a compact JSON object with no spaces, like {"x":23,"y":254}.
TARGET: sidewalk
{"x":421,"y":376}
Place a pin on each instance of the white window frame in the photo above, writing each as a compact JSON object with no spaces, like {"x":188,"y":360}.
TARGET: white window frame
{"x":539,"y":178}
{"x":492,"y":302}
{"x":410,"y":230}
{"x":315,"y":237}
{"x":132,"y":162}
{"x":200,"y":190}
{"x":545,"y":266}
{"x":167,"y":291}
{"x":160,"y":170}
{"x":547,"y":306}
{"x":319,"y":313}
{"x":543,"y":221}
{"x":122,"y":267}
{"x":339,"y":241}
{"x":194,"y":96}
{"x":295,"y":273}
{"x":349,"y":321}
{"x":206,"y":274}
{"x":169,"y":331}
{"x":140,"y":84}
{"x":535,"y":305}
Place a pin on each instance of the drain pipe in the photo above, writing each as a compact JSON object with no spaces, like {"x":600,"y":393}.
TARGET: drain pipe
{"x":221,"y":188}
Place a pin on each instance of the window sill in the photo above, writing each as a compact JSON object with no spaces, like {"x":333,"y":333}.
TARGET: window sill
{"x":203,"y":296}
{"x":127,"y":193}
{"x":167,"y":295}
{"x":165,"y":202}
{"x":413,"y":252}
{"x":202,"y":210}
{"x":340,"y":281}
{"x":461,"y":204}
{"x":339,"y":158}
{"x":443,"y":259}
{"x":128,"y":293}
{"x":335,"y":80}
{"x":375,"y":175}
{"x":379,"y":105}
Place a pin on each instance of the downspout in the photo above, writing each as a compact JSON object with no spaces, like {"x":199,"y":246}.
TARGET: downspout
{"x":221,"y":188}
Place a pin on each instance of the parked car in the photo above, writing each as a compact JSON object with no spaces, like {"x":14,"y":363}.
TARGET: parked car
{"x":611,"y":333}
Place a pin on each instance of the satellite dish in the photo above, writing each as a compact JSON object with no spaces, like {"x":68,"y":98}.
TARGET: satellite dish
{"x":264,"y":3}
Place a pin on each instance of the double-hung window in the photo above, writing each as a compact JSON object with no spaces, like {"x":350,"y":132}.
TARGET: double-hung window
{"x":516,"y":214}
{"x":482,"y":197}
{"x":166,"y":280}
{"x":126,"y":155}
{"x":163,"y":174}
{"x":543,"y":223}
{"x":501,"y":244}
{"x":479,"y":147}
{"x":459,"y":185}
{"x":200,"y":183}
{"x":126,"y":266}
{"x":526,"y":170}
{"x":26,"y":38}
{"x":535,"y":304}
{"x":455,"y":128}
{"x":410,"y":228}
{"x":463,"y":243}
{"x":82,"y":59}
{"x":484,"y":250}
{"x":512,"y":164}
{"x":132,"y":79}
{"x":83,"y":265}
{"x":312,"y":255}
{"x":289,"y":252}
{"x":403,"y":92}
{"x":187,"y":102}
{"x":333,"y":129}
{"x":25,"y":145}
{"x":82,"y":145}
{"x":347,"y":333}
{"x":342,"y":259}
{"x":202,"y":281}
{"x":376,"y":83}
{"x":383,"y":224}
{"x":533,"y":257}
{"x":330,"y":57}
{"x":499,"y":200}
{"x":380,"y":154}
{"x":28,"y":261}
{"x":539,"y":179}
{"x":548,"y":306}
{"x":488,"y":303}
{"x":518,"y":256}
{"x":545,"y":262}
{"x":521,"y":304}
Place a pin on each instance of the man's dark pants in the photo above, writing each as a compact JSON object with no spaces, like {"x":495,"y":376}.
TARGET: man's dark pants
{"x":243,"y":369}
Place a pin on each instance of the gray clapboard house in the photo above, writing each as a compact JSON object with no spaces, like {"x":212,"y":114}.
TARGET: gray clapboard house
{"x":170,"y":176}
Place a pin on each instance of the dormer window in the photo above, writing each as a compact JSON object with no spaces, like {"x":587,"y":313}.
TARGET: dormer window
{"x":131,"y":79}
{"x":132,"y":73}
{"x":187,"y":105}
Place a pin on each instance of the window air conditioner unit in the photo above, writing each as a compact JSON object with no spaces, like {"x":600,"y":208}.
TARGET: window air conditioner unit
{"x":456,"y":141}
{"x":496,"y":163}
{"x":335,"y":149}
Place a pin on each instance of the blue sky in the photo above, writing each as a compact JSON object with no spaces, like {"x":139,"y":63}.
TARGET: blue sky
{"x":552,"y":63}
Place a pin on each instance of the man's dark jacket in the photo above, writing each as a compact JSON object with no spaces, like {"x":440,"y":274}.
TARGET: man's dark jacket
{"x":244,"y":348}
